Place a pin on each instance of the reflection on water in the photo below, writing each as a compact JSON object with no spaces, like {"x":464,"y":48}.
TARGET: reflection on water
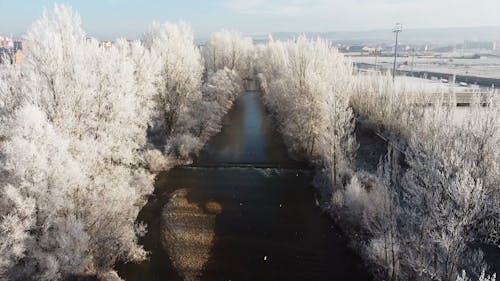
{"x":269,"y":227}
{"x":248,"y":136}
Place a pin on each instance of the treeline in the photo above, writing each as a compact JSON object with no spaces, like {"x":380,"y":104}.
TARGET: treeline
{"x":84,"y":127}
{"x":424,"y":213}
{"x":434,"y":210}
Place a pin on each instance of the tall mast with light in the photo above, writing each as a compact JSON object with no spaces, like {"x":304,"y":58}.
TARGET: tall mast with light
{"x":397,"y":29}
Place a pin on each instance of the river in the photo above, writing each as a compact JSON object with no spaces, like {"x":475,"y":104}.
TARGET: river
{"x":270,"y":227}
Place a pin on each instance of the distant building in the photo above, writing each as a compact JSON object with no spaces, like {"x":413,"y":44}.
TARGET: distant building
{"x":372,"y":50}
{"x":11,"y":56}
{"x":18,"y":45}
{"x":6,"y":42}
{"x":479,"y":45}
{"x":18,"y":56}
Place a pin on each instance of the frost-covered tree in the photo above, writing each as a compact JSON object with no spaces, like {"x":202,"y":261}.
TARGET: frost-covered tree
{"x":464,"y":138}
{"x":306,"y":84}
{"x":178,"y":84}
{"x":10,"y":92}
{"x":229,"y":49}
{"x":448,"y":190}
{"x":17,"y":217}
{"x":56,"y":67}
{"x":74,"y":147}
{"x":482,"y":277}
{"x":219,"y":92}
{"x":186,"y":112}
{"x":370,"y":202}
{"x":441,"y":210}
{"x":40,"y":180}
{"x":227,"y":57}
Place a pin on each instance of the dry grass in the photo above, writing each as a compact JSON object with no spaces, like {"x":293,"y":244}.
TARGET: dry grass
{"x":188,"y":233}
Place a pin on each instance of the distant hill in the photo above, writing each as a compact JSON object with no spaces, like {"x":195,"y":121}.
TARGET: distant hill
{"x":421,"y":35}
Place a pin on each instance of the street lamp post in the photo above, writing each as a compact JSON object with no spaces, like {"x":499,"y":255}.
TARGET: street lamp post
{"x":397,"y":29}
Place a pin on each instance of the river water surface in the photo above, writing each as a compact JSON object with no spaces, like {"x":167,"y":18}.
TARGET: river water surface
{"x":270,"y":227}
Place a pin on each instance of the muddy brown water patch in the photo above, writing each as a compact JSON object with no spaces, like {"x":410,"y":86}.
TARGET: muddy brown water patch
{"x":188,"y":233}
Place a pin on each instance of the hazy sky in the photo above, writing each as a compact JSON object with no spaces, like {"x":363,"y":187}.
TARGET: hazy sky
{"x":128,"y":18}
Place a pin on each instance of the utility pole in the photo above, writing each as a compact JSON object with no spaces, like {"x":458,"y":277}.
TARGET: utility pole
{"x":397,"y":29}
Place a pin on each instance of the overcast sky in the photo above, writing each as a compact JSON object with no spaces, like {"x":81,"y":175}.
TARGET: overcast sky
{"x":129,"y":18}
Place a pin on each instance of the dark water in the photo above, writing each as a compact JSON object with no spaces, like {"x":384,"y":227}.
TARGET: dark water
{"x":266,"y":212}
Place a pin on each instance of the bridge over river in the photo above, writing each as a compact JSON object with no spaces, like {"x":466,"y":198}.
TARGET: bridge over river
{"x":269,"y":227}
